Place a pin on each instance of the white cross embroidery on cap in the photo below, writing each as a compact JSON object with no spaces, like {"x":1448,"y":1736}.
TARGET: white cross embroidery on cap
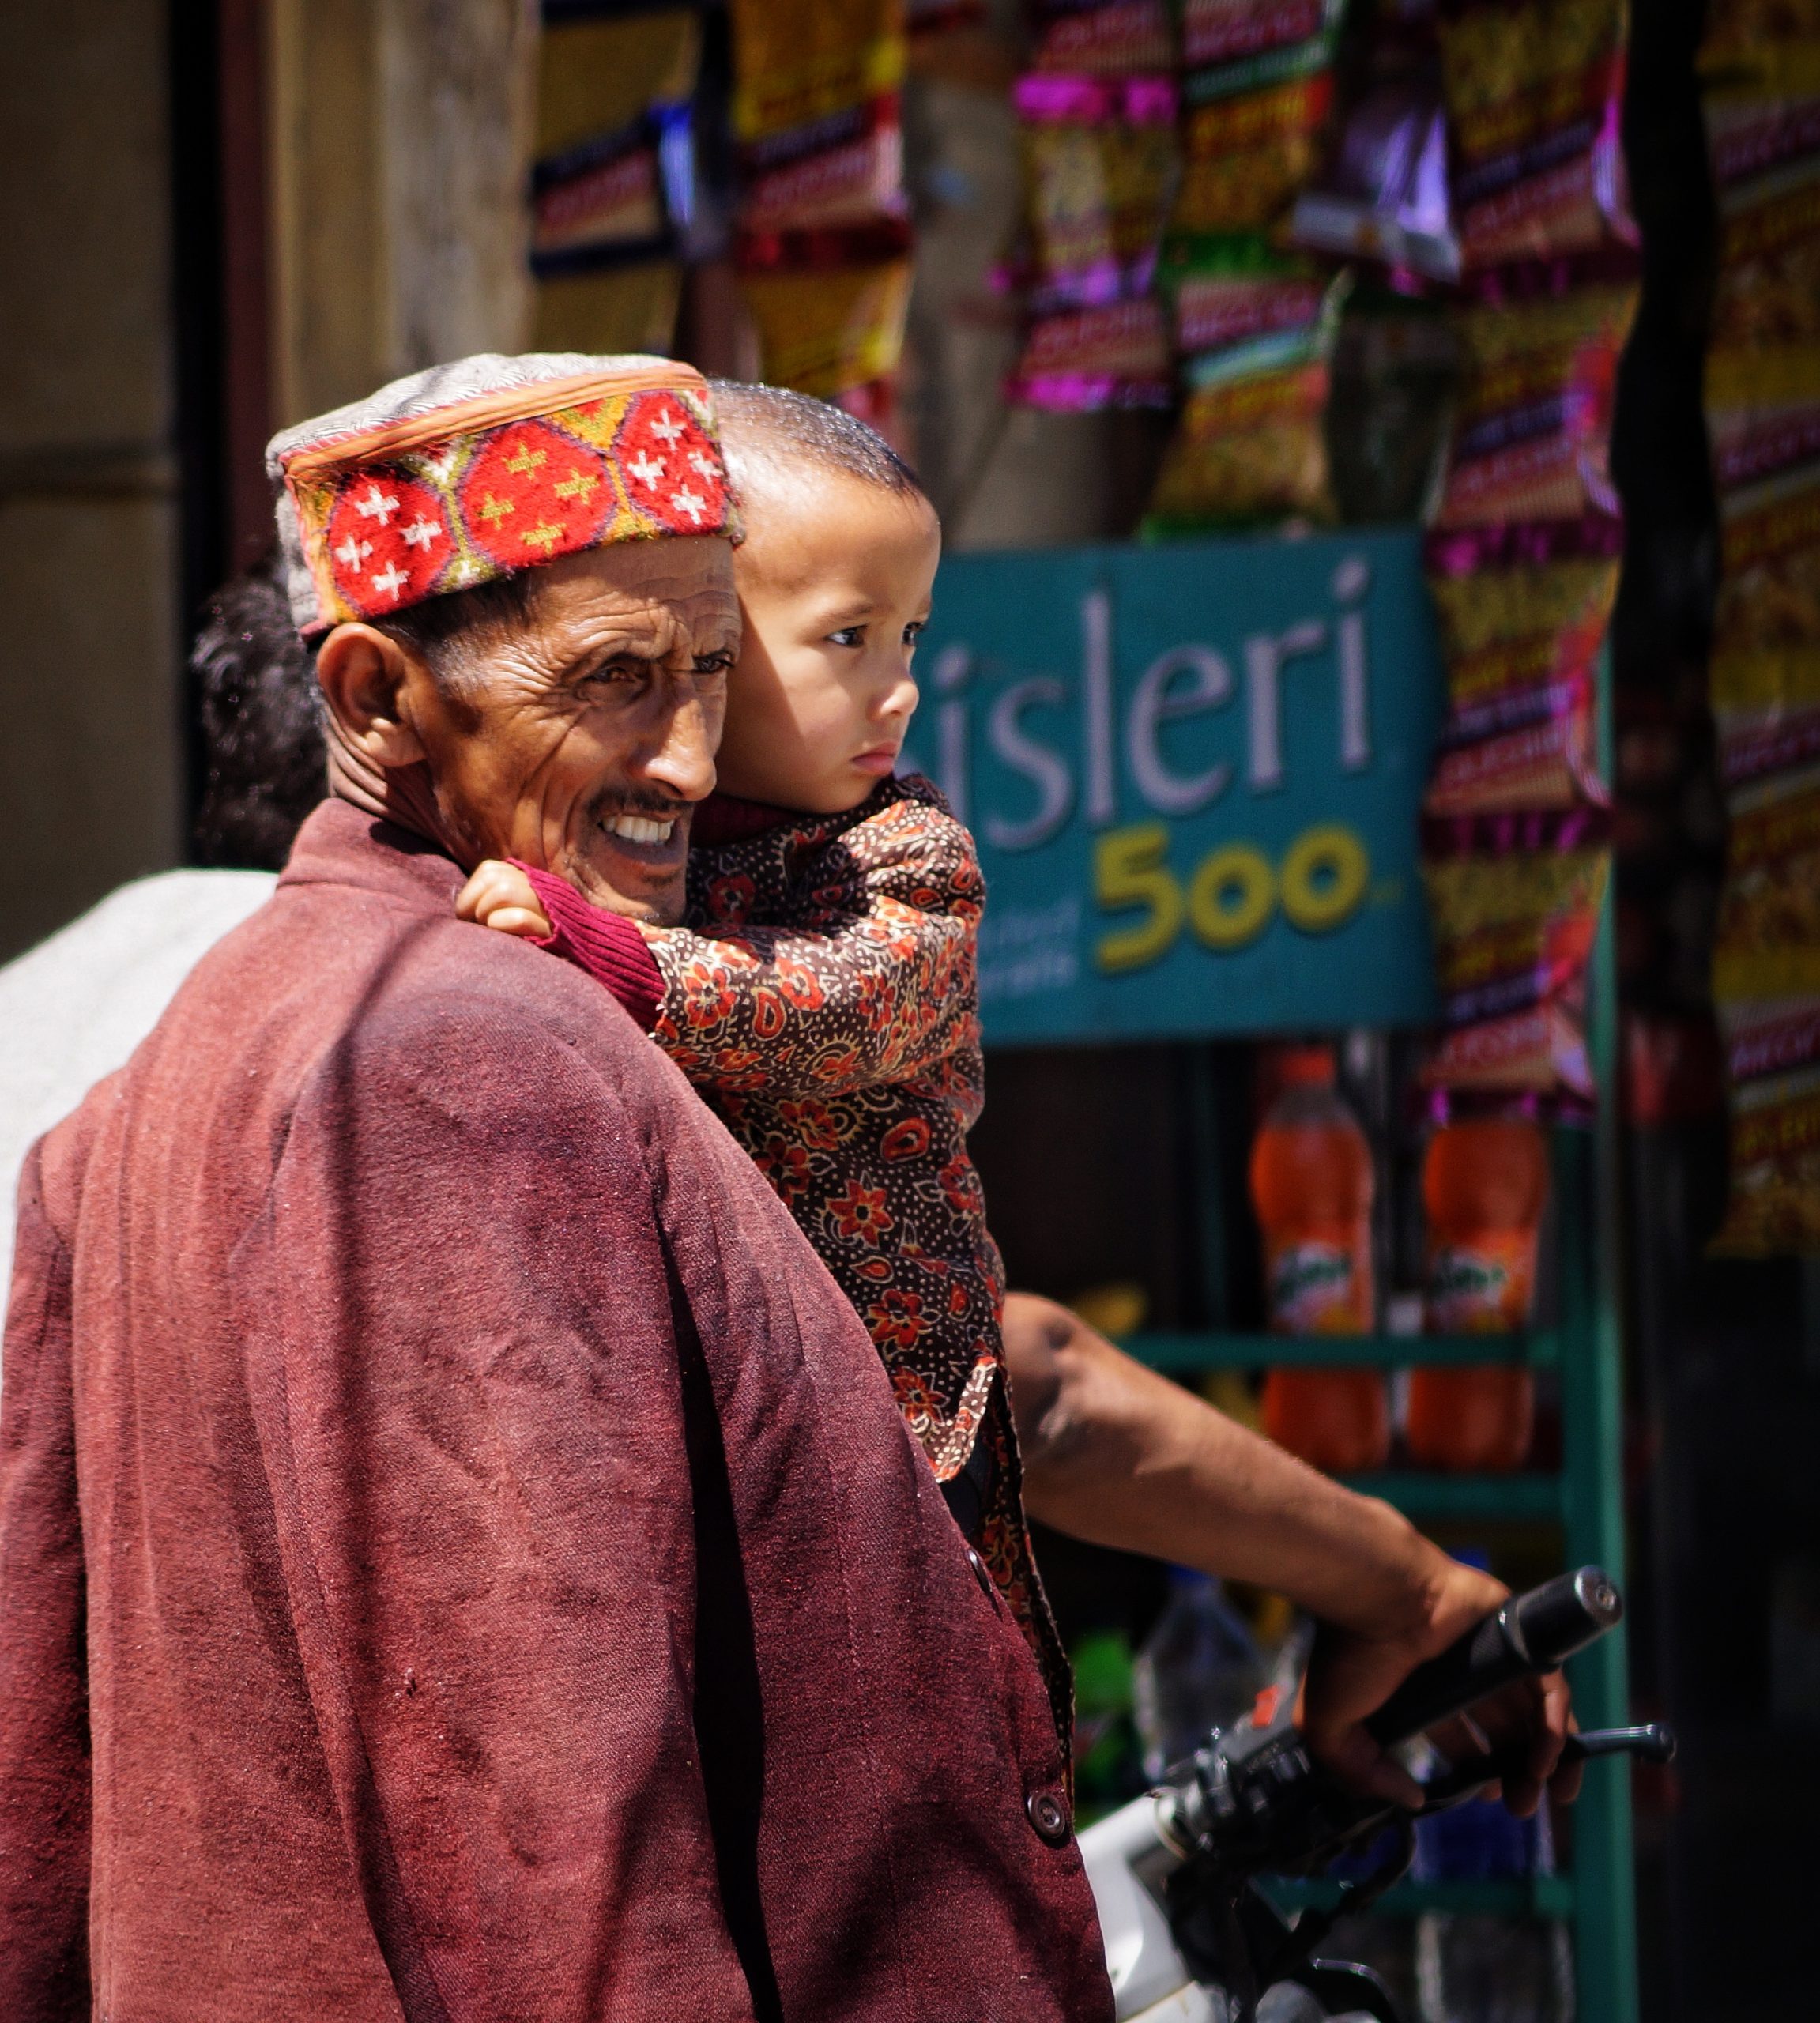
{"x":688,"y":502}
{"x":420,"y":533}
{"x":646,"y":468}
{"x":377,"y":505}
{"x":353,"y":551}
{"x":439,"y":467}
{"x":389,"y":580}
{"x":704,"y":465}
{"x":665,"y":429}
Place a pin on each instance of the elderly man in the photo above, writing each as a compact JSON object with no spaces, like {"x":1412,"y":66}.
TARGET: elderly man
{"x":459,"y":1557}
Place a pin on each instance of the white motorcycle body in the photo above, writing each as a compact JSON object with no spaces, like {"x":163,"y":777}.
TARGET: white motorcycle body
{"x":1127,"y":1864}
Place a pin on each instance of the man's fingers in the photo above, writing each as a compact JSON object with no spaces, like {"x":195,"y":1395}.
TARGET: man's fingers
{"x":1357,"y":1761}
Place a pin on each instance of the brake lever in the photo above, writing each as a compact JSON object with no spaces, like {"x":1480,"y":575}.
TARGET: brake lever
{"x":1653,"y":1743}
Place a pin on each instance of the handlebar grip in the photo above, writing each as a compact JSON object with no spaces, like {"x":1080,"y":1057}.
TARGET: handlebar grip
{"x":1531,"y":1633}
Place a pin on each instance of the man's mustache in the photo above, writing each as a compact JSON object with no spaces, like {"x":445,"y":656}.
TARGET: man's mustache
{"x":656,"y":807}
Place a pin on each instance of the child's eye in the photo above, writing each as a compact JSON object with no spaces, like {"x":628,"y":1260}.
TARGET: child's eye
{"x":914,"y":631}
{"x":849,"y":636}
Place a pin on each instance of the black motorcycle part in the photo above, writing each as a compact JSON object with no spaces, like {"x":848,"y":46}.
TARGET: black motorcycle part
{"x":1531,"y":1633}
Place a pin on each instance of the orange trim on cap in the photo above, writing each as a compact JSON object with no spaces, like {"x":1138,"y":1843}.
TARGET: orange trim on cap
{"x":485,"y":411}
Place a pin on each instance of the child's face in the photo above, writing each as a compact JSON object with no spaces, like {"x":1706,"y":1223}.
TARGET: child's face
{"x":833,"y":578}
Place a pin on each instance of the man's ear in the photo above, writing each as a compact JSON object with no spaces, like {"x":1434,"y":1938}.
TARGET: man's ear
{"x":364,"y":676}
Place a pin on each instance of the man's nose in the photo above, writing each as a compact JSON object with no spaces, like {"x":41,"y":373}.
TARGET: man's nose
{"x":680,"y":757}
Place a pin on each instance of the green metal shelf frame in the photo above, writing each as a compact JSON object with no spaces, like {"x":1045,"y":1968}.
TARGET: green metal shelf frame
{"x":1585,"y":1502}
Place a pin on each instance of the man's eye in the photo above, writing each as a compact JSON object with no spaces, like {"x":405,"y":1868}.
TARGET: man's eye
{"x":714,"y":664}
{"x":613,"y":674}
{"x":849,"y":636}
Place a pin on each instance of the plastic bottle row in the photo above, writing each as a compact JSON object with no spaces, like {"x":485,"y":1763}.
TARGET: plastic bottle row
{"x":1484,"y":1186}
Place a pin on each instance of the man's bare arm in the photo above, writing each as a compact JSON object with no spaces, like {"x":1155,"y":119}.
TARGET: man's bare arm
{"x":1115,"y":1454}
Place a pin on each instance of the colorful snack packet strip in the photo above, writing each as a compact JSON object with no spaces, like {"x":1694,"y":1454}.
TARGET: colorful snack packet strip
{"x":1514,"y":903}
{"x":1254,"y":132}
{"x":1767,"y":941}
{"x":1250,"y":443}
{"x":1748,"y":34}
{"x":1773,"y":1056}
{"x":1769,"y":566}
{"x":1520,"y":644}
{"x":1078,"y":360}
{"x":1100,"y":164}
{"x":1216,"y":32}
{"x":827,"y":331}
{"x":1534,"y":91}
{"x":846,"y":168}
{"x":1224,"y":290}
{"x":796,"y":61}
{"x":1766,"y":706}
{"x":1532,"y":429}
{"x":1123,"y":38}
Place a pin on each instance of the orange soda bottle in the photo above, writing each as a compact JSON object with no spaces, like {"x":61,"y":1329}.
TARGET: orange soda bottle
{"x":1312,"y":1185}
{"x":1484,"y":1184}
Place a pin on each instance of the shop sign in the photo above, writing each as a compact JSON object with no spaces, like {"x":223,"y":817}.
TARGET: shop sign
{"x":1194,"y":772}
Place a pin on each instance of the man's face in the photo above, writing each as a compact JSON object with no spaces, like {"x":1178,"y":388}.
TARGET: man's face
{"x":579,"y":741}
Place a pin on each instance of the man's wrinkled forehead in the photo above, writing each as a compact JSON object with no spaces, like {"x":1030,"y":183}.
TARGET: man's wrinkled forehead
{"x":668,"y":598}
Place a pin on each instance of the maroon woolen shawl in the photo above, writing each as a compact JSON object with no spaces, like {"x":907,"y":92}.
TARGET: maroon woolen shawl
{"x":460,"y":1557}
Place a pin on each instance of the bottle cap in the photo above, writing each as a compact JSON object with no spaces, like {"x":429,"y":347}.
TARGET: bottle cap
{"x":1305,"y":1068}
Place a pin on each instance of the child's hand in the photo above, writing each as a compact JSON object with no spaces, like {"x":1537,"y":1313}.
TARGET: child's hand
{"x":499,"y":895}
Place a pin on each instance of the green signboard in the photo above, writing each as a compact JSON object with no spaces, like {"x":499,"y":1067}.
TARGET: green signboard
{"x":1194,"y":772}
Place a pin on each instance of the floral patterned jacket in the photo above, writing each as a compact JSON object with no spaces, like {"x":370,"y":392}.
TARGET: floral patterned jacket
{"x":823,"y":1000}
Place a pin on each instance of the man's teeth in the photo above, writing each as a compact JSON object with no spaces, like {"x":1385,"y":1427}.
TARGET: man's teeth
{"x":640,"y":829}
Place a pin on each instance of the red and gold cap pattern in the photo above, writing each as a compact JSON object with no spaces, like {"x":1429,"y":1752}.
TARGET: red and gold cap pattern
{"x":452,"y":496}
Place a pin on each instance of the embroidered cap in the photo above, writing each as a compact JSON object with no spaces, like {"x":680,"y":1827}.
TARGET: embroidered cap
{"x":468,"y":472}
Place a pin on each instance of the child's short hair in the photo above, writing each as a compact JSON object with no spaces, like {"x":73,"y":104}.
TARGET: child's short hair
{"x":765,"y":430}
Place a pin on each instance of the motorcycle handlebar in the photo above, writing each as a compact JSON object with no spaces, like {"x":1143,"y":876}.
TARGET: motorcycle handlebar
{"x":1531,"y":1633}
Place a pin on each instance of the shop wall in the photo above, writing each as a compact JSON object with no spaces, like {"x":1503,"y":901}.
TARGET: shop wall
{"x":400,"y":137}
{"x":89,"y":762}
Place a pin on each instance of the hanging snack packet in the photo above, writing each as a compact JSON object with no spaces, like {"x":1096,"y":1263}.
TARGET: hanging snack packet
{"x":1532,"y":429}
{"x":844,"y":169}
{"x":1743,"y":34}
{"x":1520,"y":637}
{"x":1250,"y":444}
{"x":1769,"y":567}
{"x":1767,"y":942}
{"x":830,"y":331}
{"x":1534,"y":90}
{"x":1124,"y":39}
{"x":614,"y":177}
{"x":1514,"y":903}
{"x":796,"y":61}
{"x":1763,"y":114}
{"x":1220,"y":32}
{"x":1773,"y":1051}
{"x":604,"y":200}
{"x":1079,"y":360}
{"x":1766,"y":706}
{"x":1251,"y":141}
{"x":1763,"y":368}
{"x":1100,"y":164}
{"x":1224,"y":290}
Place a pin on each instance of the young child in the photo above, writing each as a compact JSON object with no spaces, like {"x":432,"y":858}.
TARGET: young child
{"x":823,"y":996}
